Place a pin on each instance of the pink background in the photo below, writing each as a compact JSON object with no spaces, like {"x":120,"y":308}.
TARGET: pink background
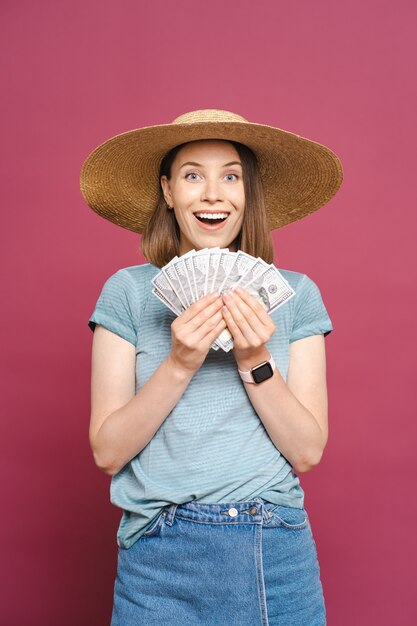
{"x":74,"y":74}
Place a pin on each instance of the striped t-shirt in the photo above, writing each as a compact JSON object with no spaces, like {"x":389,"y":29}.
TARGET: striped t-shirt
{"x":212,"y":447}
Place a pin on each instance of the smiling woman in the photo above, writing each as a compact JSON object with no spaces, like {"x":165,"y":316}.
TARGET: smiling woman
{"x":204,"y":447}
{"x":208,"y":189}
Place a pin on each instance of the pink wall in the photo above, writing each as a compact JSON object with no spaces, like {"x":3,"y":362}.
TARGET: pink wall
{"x":75,"y":73}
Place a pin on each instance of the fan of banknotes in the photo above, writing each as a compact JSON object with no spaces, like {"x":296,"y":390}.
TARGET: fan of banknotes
{"x":188,"y":278}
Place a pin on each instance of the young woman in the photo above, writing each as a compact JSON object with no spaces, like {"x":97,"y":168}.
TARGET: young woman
{"x":203,"y":463}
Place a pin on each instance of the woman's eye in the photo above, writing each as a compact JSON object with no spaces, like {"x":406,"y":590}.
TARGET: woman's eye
{"x":195,"y":175}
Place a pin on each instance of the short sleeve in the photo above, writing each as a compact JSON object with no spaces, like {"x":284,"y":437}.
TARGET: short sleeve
{"x":116,"y":306}
{"x":310,"y":314}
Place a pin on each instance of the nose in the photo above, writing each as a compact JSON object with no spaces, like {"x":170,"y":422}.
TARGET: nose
{"x":212,"y":191}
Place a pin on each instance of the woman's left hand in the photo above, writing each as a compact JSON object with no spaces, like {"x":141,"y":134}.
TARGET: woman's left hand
{"x":250,"y":325}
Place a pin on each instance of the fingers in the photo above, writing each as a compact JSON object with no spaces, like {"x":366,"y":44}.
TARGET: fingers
{"x":216,"y":330}
{"x":237,"y":323}
{"x":210,"y":329}
{"x":200,"y":305}
{"x":200,"y":322}
{"x":202,"y":310}
{"x":253,"y":304}
{"x":238,"y":336}
{"x":246,"y":319}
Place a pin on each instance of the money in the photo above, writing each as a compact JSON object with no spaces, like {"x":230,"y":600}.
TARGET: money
{"x":187,"y":278}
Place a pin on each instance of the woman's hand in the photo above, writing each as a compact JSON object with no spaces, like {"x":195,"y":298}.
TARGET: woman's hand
{"x":194,"y":331}
{"x":250,"y":325}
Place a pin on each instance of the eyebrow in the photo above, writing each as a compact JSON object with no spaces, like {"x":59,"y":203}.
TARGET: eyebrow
{"x":199,"y":164}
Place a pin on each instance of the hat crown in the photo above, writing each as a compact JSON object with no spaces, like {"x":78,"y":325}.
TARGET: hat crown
{"x":208,"y":115}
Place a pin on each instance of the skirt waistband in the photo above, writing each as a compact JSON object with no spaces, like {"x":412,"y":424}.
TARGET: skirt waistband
{"x":256,"y":511}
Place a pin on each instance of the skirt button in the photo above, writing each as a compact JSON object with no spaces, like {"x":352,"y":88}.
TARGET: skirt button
{"x":233,"y":512}
{"x":253,"y":510}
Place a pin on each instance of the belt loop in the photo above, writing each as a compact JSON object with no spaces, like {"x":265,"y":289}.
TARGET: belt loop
{"x":266,"y":517}
{"x":171,"y":510}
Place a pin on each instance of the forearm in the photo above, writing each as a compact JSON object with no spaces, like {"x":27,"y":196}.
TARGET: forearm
{"x":126,"y":431}
{"x":290,"y":425}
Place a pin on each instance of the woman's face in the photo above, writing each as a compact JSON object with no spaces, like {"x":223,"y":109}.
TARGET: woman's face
{"x":207,"y":193}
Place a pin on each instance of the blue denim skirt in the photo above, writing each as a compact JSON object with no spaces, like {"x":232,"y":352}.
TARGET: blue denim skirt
{"x":230,"y":563}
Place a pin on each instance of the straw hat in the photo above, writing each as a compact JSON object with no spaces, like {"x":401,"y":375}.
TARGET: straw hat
{"x":120,"y":178}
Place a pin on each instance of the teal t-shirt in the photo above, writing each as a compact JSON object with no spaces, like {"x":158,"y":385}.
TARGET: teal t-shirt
{"x":212,"y":447}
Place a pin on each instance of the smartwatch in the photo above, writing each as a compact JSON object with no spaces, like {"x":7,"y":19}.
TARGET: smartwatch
{"x":259,"y":373}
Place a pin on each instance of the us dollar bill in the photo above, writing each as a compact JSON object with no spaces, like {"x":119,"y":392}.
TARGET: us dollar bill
{"x":200,"y":265}
{"x":186,"y":279}
{"x":163,"y":290}
{"x":270,"y":289}
{"x":252,"y":272}
{"x":241,"y":265}
{"x":214,"y":259}
{"x":172,"y":277}
{"x":226,"y":262}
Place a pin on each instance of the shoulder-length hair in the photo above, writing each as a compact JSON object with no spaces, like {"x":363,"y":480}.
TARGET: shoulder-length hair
{"x":161,"y":237}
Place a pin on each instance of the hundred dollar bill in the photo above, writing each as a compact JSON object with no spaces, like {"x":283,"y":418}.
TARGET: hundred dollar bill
{"x":258,"y":268}
{"x":213,"y":263}
{"x":171,"y":275}
{"x":242,"y":264}
{"x":227,"y":259}
{"x":164,"y":291}
{"x":200,"y":263}
{"x":183,"y":284}
{"x":186,"y":279}
{"x":270,"y":289}
{"x":163,"y":299}
{"x":189,"y":267}
{"x":225,"y":340}
{"x":263,"y":281}
{"x":170,"y":290}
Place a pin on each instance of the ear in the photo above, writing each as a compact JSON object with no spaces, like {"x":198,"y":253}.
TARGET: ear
{"x":166,"y":191}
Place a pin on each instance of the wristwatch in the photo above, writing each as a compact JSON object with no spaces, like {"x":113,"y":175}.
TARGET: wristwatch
{"x":259,"y":373}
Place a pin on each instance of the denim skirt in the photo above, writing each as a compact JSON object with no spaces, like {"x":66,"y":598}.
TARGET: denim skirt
{"x":230,"y":563}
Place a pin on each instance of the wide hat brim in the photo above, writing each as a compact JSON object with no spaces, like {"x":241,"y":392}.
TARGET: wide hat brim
{"x":120,"y":178}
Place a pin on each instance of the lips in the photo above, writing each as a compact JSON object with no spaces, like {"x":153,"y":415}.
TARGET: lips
{"x":211,"y":220}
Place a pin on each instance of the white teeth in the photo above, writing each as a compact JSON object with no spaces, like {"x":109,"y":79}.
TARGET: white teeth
{"x":212,"y":216}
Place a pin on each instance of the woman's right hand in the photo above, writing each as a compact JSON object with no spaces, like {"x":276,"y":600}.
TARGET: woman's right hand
{"x":194,"y":331}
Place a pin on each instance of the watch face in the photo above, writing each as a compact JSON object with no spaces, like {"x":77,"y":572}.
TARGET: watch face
{"x":263,"y":372}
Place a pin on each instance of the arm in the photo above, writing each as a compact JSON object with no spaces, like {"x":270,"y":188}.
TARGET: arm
{"x":123,"y":423}
{"x":293,"y":413}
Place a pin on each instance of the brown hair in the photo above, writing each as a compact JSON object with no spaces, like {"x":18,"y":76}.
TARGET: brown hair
{"x":161,"y":238}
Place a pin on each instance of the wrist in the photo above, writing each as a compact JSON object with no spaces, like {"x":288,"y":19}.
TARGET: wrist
{"x":250,"y":359}
{"x":178,"y":372}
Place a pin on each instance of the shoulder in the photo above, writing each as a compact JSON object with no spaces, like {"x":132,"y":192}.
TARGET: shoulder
{"x":307,"y":310}
{"x":295,"y":279}
{"x":306,"y":291}
{"x":137,"y":273}
{"x":133,"y":279}
{"x":300,"y":282}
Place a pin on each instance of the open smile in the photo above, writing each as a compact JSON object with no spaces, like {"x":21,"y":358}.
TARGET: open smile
{"x":209,"y":220}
